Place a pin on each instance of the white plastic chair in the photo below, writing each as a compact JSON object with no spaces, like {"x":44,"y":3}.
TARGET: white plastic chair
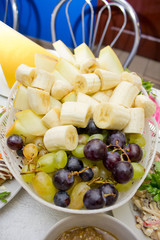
{"x":124,"y":7}
{"x":14,"y":11}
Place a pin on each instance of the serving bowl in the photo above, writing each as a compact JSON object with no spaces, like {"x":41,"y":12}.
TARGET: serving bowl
{"x":15,"y":163}
{"x":101,"y":221}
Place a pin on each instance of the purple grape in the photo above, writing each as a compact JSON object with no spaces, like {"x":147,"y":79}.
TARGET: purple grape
{"x":107,"y":189}
{"x":95,"y":149}
{"x":116,"y":137}
{"x":134,"y":152}
{"x":61,"y":199}
{"x":92,"y":128}
{"x":20,"y":152}
{"x":123,"y":172}
{"x":74,"y":164}
{"x":14,"y":142}
{"x":87,"y":175}
{"x":63,"y":179}
{"x":93,"y":199}
{"x":110,"y":159}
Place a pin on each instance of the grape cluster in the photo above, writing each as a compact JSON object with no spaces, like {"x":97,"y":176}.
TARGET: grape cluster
{"x":91,"y":176}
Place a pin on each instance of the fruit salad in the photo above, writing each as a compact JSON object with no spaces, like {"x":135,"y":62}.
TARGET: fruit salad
{"x":79,"y":127}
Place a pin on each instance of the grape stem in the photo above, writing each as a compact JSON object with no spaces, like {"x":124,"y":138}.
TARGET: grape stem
{"x":100,"y":180}
{"x":121,"y":149}
{"x":109,"y":194}
{"x":77,"y":173}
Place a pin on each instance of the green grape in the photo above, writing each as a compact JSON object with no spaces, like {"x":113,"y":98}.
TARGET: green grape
{"x":77,"y":179}
{"x":136,"y":138}
{"x":103,"y":172}
{"x":95,"y":170}
{"x":43,"y":186}
{"x":46,"y":163}
{"x":139,"y":170}
{"x":96,"y":136}
{"x":144,"y":153}
{"x":60,"y":160}
{"x":78,"y":151}
{"x":87,"y":162}
{"x":27,"y":177}
{"x":123,"y":187}
{"x":83,"y":138}
{"x":77,"y":195}
{"x":30,"y":151}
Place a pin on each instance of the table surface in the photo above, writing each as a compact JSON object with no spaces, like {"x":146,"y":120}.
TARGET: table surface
{"x":24,"y":218}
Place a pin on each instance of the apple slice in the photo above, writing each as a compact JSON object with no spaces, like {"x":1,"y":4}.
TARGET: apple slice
{"x":45,"y":62}
{"x":21,"y":99}
{"x":67,"y":70}
{"x":71,"y":97}
{"x":108,"y":60}
{"x":31,"y":122}
{"x":64,"y":51}
{"x":39,"y":100}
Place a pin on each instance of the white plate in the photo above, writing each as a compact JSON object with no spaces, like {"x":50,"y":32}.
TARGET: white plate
{"x":11,"y":186}
{"x":126,"y":214}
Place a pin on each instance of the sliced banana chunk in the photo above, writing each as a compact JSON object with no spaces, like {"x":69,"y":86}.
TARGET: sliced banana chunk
{"x":108,"y":79}
{"x":124,"y":94}
{"x":55,"y":103}
{"x":61,"y":137}
{"x":43,"y":80}
{"x":75,"y":113}
{"x":60,"y":89}
{"x":25,"y":74}
{"x":111,"y":116}
{"x":136,"y":122}
{"x":52,"y":118}
{"x":87,"y":83}
{"x":81,"y":97}
{"x":133,"y":78}
{"x":147,"y":104}
{"x":39,"y":100}
{"x":101,"y":97}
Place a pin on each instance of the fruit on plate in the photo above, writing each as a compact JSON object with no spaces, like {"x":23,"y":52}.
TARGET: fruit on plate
{"x":84,"y":127}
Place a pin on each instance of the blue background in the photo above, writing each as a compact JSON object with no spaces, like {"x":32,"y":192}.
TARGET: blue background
{"x":35,"y":17}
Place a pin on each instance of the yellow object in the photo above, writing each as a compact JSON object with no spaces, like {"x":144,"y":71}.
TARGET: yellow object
{"x":16,"y":49}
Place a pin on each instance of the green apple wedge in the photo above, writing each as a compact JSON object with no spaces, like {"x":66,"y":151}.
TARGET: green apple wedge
{"x":31,"y":122}
{"x":108,"y":60}
{"x":17,"y":128}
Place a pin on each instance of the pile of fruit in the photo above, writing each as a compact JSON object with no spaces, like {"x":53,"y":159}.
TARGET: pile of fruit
{"x":79,"y":128}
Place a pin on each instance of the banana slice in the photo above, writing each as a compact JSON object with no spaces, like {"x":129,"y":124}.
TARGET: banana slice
{"x":89,"y":65}
{"x":109,"y":61}
{"x":87,"y":83}
{"x":61,"y":137}
{"x":52,"y":118}
{"x":25,"y":74}
{"x":39,"y":100}
{"x":64,"y":51}
{"x":101,"y":97}
{"x":136,"y":122}
{"x":45,"y":62}
{"x":111,"y":116}
{"x":124,"y":94}
{"x":108,"y":79}
{"x":133,"y":78}
{"x":147,"y":104}
{"x":60,"y":89}
{"x":67,"y":70}
{"x":81,"y":97}
{"x":43,"y":80}
{"x":21,"y":99}
{"x":75,"y":113}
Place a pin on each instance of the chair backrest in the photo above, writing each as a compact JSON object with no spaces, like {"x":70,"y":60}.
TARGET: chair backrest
{"x":14,"y":11}
{"x":95,"y":15}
